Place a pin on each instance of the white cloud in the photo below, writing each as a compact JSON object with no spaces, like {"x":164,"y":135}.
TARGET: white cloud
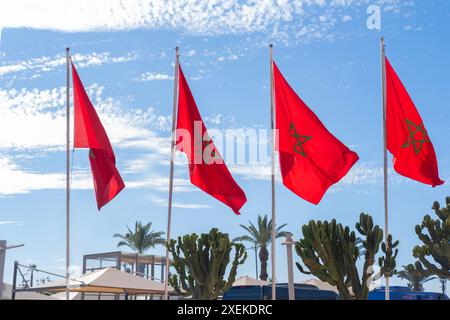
{"x":361,"y":174}
{"x":32,"y":123}
{"x":19,"y":223}
{"x":36,"y":119}
{"x":75,"y":270}
{"x":18,"y":180}
{"x":253,"y":172}
{"x":215,"y":119}
{"x":163,"y":203}
{"x":192,"y":16}
{"x":153,"y":76}
{"x":231,"y":57}
{"x":50,"y":63}
{"x":364,"y":174}
{"x":190,"y":53}
{"x":346,"y":18}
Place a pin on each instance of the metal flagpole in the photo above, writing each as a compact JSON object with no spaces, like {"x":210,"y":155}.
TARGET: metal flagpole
{"x":289,"y":242}
{"x":385,"y":172}
{"x":67,"y":172}
{"x":172,"y":156}
{"x":272,"y":125}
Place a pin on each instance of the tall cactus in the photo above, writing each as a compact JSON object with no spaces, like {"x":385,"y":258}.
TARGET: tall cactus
{"x":330,"y":252}
{"x":201,"y":263}
{"x":387,"y":262}
{"x":435,"y":235}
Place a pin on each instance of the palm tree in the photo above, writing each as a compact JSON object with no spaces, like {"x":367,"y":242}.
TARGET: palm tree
{"x":416,"y":277}
{"x":141,"y":239}
{"x":261,"y":237}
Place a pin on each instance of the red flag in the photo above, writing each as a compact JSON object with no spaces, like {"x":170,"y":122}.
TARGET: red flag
{"x":311,"y":158}
{"x":89,"y":133}
{"x":407,"y":138}
{"x":207,"y":169}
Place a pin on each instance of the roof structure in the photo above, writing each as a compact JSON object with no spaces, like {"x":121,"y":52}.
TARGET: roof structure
{"x":108,"y":280}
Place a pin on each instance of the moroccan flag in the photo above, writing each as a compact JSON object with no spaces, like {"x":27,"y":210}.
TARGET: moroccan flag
{"x":311,"y":158}
{"x":89,"y":133}
{"x":207,"y":169}
{"x":407,"y":138}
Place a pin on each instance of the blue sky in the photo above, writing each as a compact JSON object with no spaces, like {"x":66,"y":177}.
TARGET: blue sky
{"x":125,"y":55}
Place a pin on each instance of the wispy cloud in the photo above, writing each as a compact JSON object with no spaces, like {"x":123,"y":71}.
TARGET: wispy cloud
{"x":50,"y":63}
{"x":31,"y":119}
{"x":154,"y":76}
{"x":299,"y":17}
{"x":19,"y":223}
{"x":32,"y":125}
{"x":19,"y":180}
{"x":163,"y":203}
{"x":361,"y":174}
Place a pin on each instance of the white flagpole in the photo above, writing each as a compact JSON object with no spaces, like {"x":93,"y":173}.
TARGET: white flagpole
{"x":172,"y":156}
{"x":67,"y":172}
{"x":272,"y":125}
{"x":385,"y":172}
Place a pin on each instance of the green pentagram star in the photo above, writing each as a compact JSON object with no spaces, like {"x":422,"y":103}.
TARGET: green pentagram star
{"x":91,"y":154}
{"x":298,"y":148}
{"x":416,"y":143}
{"x":199,"y":148}
{"x":208,"y":158}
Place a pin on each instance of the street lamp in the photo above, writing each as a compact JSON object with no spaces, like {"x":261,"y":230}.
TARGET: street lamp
{"x":3,"y":248}
{"x":289,"y":242}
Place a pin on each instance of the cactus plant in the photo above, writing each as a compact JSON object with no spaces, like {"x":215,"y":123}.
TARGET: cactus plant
{"x":435,"y":235}
{"x":387,"y":262}
{"x":201,"y":263}
{"x":330,"y":252}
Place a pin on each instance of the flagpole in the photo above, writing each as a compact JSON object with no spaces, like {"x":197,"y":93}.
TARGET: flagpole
{"x":67,"y":171}
{"x":172,"y":156}
{"x":385,"y":172}
{"x":272,"y":125}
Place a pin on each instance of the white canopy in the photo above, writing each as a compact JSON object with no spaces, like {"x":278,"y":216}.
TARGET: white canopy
{"x":29,"y":295}
{"x":108,"y":280}
{"x":321,"y":285}
{"x":87,"y":296}
{"x":249,"y":281}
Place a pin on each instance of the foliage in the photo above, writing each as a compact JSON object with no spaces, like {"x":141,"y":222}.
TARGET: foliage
{"x":261,"y":236}
{"x":201,"y":263}
{"x":141,"y":238}
{"x":387,"y":262}
{"x":330,"y":252}
{"x":416,"y":276}
{"x":434,"y":254}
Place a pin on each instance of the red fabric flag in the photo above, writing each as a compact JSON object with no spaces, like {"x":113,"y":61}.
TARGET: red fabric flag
{"x":207,"y":169}
{"x":311,"y":158}
{"x":89,"y":133}
{"x":407,"y":138}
